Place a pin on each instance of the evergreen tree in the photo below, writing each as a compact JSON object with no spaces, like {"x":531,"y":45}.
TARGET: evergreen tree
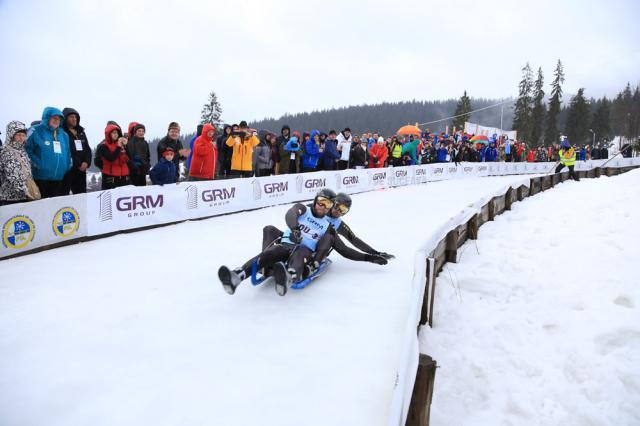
{"x":462,"y":112}
{"x":211,"y":111}
{"x":539,"y":107}
{"x":551,"y":133}
{"x":577,"y":127}
{"x":601,"y":123}
{"x":522,"y":111}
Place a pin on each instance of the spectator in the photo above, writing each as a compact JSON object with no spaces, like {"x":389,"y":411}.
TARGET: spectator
{"x":139,"y":155}
{"x":243,"y":143}
{"x":272,"y":140}
{"x":15,"y":167}
{"x":312,"y":152}
{"x":290,"y":154}
{"x":263,"y":157}
{"x":507,"y":150}
{"x":378,"y":154}
{"x":360,"y":153}
{"x":501,"y":155}
{"x":205,"y":155}
{"x":75,"y":180}
{"x":164,"y":172}
{"x":531,"y":156}
{"x":395,"y":151}
{"x":172,"y":140}
{"x":491,"y":153}
{"x":331,"y":154}
{"x":344,"y":148}
{"x":224,"y":153}
{"x":442,"y":153}
{"x":113,"y":156}
{"x":411,"y":149}
{"x":191,"y":142}
{"x":48,"y":149}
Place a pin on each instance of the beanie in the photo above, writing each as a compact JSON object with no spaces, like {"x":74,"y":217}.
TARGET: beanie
{"x":174,"y":125}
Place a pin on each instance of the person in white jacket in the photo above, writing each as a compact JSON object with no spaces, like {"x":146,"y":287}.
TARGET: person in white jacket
{"x":344,"y":148}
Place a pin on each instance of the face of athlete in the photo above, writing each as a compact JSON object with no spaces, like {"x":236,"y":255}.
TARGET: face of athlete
{"x":322,"y":206}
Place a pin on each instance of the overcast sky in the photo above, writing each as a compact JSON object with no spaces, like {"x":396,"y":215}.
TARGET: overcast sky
{"x":154,"y":61}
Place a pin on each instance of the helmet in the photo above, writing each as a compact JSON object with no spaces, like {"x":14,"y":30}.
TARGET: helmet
{"x":325,"y":193}
{"x":344,"y":201}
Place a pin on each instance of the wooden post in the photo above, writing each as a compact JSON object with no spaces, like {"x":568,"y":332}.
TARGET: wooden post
{"x":532,"y":186}
{"x":492,"y":209}
{"x":451,"y":251}
{"x":472,"y":227}
{"x":420,"y":407}
{"x":598,"y":172}
{"x":520,"y":193}
{"x":508,"y":199}
{"x":426,"y":316}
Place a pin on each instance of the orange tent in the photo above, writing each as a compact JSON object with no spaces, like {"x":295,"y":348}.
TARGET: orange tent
{"x":409,"y":130}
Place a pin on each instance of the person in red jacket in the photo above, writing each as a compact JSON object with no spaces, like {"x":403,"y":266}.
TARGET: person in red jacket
{"x":205,"y":155}
{"x":378,"y":154}
{"x":531,"y":156}
{"x":115,"y":169}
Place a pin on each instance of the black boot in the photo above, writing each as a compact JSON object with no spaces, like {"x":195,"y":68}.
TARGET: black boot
{"x":230,"y":279}
{"x":283,"y":277}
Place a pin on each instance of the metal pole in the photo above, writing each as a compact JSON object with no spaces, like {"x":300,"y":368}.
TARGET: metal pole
{"x":501,"y":112}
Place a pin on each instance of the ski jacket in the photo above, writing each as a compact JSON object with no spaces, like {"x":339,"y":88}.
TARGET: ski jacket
{"x":331,"y":154}
{"x":48,"y":148}
{"x":378,"y":155}
{"x":15,"y":167}
{"x":262,"y":156}
{"x":311,"y":154}
{"x":78,"y":142}
{"x":491,"y":154}
{"x":242,"y":156}
{"x":442,"y":155}
{"x":205,"y":155}
{"x":138,"y":152}
{"x":176,"y":146}
{"x":344,"y":144}
{"x":115,"y":161}
{"x":568,"y":157}
{"x":360,"y":156}
{"x":163,"y":173}
{"x":531,"y":157}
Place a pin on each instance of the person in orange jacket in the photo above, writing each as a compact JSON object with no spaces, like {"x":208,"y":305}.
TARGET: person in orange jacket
{"x":531,"y":156}
{"x":378,"y":154}
{"x":205,"y":155}
{"x":242,"y":143}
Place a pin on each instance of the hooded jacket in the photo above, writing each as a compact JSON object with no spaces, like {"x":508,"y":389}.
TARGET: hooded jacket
{"x":163,"y":173}
{"x":115,"y":161}
{"x":331,"y":154}
{"x":176,"y":146}
{"x":379,"y":154}
{"x":312,"y":152}
{"x":262,"y":156}
{"x":15,"y":166}
{"x":491,"y":153}
{"x":48,"y":148}
{"x":290,"y":153}
{"x":242,"y":157}
{"x":205,"y":155}
{"x":78,"y":156}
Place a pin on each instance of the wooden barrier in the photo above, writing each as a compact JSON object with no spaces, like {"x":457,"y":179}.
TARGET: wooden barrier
{"x":420,"y":407}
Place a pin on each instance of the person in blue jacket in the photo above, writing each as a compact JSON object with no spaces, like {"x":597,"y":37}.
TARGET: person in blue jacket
{"x":48,"y":149}
{"x":491,"y":153}
{"x":164,"y":172}
{"x":311,"y":152}
{"x":442,"y":153}
{"x":331,"y":154}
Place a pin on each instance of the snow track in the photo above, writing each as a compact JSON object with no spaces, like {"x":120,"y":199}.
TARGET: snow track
{"x":135,"y":329}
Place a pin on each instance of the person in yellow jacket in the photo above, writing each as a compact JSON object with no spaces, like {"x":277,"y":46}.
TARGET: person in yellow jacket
{"x":242,"y":143}
{"x":567,"y":158}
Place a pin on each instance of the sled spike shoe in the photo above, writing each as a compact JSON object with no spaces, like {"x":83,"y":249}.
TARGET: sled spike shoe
{"x":230,"y":279}
{"x":282,"y":278}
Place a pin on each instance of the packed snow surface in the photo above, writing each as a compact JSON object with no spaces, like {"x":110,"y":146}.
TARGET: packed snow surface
{"x":135,"y":329}
{"x":539,"y":321}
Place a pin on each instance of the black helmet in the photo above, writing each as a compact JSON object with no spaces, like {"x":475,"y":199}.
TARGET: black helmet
{"x":326,"y":193}
{"x":343,"y":199}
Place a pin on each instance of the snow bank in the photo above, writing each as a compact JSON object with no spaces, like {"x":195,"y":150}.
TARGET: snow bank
{"x":543,"y":325}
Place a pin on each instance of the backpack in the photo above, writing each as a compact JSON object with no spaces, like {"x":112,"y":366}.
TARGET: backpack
{"x":97,"y":159}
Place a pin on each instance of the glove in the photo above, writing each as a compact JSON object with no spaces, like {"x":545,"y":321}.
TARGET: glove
{"x":296,"y":236}
{"x":383,"y":254}
{"x":374,"y":258}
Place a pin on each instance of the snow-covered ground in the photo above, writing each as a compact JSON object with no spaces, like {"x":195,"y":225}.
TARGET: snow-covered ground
{"x":136,"y":330}
{"x":542,"y":327}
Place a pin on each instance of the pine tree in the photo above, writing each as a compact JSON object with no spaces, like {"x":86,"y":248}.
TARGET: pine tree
{"x":539,"y":108}
{"x":462,"y":112}
{"x":577,"y":127}
{"x":522,"y":112}
{"x":601,"y":123}
{"x":211,"y":111}
{"x":551,"y":133}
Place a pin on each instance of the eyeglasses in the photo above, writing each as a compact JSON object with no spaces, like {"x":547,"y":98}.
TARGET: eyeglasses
{"x":327,"y":203}
{"x":342,"y":208}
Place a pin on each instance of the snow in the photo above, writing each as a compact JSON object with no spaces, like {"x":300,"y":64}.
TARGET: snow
{"x":136,"y":329}
{"x":542,"y":327}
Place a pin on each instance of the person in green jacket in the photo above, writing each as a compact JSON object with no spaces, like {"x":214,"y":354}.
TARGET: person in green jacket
{"x":567,"y":158}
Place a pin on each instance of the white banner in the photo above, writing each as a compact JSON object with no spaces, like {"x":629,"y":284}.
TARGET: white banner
{"x":26,"y":226}
{"x":476,"y":129}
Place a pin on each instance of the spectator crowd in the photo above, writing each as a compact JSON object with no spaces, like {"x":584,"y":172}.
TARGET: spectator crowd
{"x":51,"y":157}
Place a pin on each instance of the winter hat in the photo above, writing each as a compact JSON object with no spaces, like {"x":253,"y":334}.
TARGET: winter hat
{"x":168,"y":151}
{"x":243,"y":124}
{"x":135,"y":129}
{"x":174,"y":125}
{"x":15,"y":127}
{"x":565,"y":144}
{"x":380,"y":139}
{"x":332,"y":132}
